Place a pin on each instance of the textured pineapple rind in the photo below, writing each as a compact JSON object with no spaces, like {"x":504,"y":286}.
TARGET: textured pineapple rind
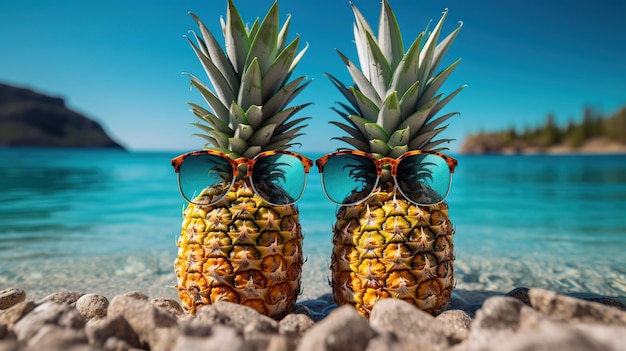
{"x":240,"y":250}
{"x":389,"y":247}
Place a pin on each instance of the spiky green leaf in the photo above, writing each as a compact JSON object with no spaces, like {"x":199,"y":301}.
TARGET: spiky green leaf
{"x":358,"y":144}
{"x":348,"y":109}
{"x":397,"y":151}
{"x":283,"y":128}
{"x":389,"y":35}
{"x":380,"y":69}
{"x":210,"y":118}
{"x":361,"y":82}
{"x":426,"y":64}
{"x":279,"y":71}
{"x":408,"y":101}
{"x":281,"y":117}
{"x":435,"y":84}
{"x":407,"y":72}
{"x":418,"y":118}
{"x":254,"y":115}
{"x":283,"y":96}
{"x":437,"y":122}
{"x":282,"y":35}
{"x":345,"y":91}
{"x":368,"y":108}
{"x":360,"y":39}
{"x":264,"y":42}
{"x":236,"y":37}
{"x":220,"y":110}
{"x":380,"y":147}
{"x":237,"y":145}
{"x":252,"y":151}
{"x":262,"y":136}
{"x":237,"y":116}
{"x":353,"y":132}
{"x":433,"y":145}
{"x":217,"y":55}
{"x":443,"y":46}
{"x":444,"y":101}
{"x":400,"y":137}
{"x":251,"y":90}
{"x":244,"y":131}
{"x":419,"y":142}
{"x":375,"y":131}
{"x":390,"y":114}
{"x":298,"y":57}
{"x":359,"y":123}
{"x":221,"y":85}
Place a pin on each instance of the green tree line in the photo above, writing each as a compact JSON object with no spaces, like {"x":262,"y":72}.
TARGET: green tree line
{"x":593,"y":125}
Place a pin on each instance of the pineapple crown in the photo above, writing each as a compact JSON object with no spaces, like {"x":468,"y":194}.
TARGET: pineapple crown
{"x":251,"y":87}
{"x":392,"y":104}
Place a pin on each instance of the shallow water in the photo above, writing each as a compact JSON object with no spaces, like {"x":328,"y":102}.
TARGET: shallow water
{"x":106,"y":222}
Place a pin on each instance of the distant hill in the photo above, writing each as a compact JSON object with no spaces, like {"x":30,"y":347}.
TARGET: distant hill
{"x":594,"y":134}
{"x":28,"y":118}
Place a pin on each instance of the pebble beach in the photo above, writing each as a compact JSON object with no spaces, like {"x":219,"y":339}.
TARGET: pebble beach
{"x":522,"y":319}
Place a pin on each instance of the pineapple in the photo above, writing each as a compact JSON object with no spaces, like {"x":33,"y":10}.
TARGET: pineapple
{"x":243,"y":249}
{"x":388,"y":247}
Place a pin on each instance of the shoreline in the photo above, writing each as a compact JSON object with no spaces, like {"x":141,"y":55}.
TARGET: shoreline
{"x":597,"y":146}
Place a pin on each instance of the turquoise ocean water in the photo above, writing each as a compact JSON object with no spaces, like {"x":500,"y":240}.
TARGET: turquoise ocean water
{"x":106,"y":222}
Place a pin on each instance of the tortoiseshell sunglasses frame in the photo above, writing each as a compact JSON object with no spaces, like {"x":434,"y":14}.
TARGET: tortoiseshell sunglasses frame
{"x":320,"y":162}
{"x":178,"y":161}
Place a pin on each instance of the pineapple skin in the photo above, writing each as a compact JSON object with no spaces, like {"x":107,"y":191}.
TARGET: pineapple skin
{"x":389,"y":247}
{"x":240,"y":250}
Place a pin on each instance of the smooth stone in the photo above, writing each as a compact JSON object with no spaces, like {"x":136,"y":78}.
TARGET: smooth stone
{"x":153,"y":326}
{"x":54,"y":337}
{"x":344,"y":329}
{"x":5,"y":332}
{"x":16,"y":312}
{"x":549,"y":335}
{"x":100,"y":331}
{"x":8,"y":345}
{"x":92,"y":306}
{"x":295,"y":324}
{"x":64,"y":297}
{"x":222,"y":338}
{"x":388,"y":341}
{"x":62,"y":315}
{"x":170,"y":306}
{"x":136,"y":295}
{"x":239,"y":317}
{"x":457,"y":322}
{"x":10,"y":297}
{"x":499,"y":313}
{"x":281,"y":343}
{"x":410,"y":324}
{"x":566,"y":308}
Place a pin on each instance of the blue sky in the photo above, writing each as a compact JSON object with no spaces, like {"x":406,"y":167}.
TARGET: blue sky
{"x":120,"y":61}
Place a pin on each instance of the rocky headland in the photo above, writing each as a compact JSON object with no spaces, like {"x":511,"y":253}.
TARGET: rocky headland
{"x":32,"y":119}
{"x":523,"y":319}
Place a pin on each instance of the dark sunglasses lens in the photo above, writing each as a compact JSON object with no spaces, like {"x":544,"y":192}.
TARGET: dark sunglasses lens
{"x":279,"y":179}
{"x":204,"y":179}
{"x":348,"y":178}
{"x":424,"y":178}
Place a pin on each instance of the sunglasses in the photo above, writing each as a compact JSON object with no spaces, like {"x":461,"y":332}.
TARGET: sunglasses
{"x":350,"y":177}
{"x":206,"y":176}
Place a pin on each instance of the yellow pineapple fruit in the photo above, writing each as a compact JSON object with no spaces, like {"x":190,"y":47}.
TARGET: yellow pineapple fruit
{"x":388,"y":246}
{"x":242,"y":248}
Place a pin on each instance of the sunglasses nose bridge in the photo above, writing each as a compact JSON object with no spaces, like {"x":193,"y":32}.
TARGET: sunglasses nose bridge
{"x":386,"y":161}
